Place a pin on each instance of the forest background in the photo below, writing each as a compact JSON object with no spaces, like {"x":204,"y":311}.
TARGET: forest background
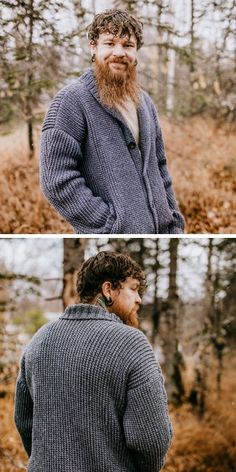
{"x":187,"y":64}
{"x":188,"y":315}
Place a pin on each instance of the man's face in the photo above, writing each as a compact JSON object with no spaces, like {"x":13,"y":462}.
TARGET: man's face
{"x":115,"y":52}
{"x":115,"y":69}
{"x":127,"y":301}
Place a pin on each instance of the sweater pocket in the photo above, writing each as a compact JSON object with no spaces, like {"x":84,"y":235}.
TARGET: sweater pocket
{"x":114,"y":222}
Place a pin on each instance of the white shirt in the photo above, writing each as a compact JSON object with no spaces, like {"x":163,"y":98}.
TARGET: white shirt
{"x":129,"y":112}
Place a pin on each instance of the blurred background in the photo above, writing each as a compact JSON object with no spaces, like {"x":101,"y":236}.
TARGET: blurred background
{"x":188,"y":315}
{"x":187,"y":64}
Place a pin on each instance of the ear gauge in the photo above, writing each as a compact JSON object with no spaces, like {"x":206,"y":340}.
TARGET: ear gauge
{"x":93,"y":58}
{"x":108,"y":301}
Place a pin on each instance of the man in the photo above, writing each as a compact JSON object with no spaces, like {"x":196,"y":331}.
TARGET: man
{"x":90,"y":394}
{"x":103,"y":164}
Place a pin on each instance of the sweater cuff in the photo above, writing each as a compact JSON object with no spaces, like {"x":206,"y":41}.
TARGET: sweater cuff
{"x":173,"y":229}
{"x":177,"y":226}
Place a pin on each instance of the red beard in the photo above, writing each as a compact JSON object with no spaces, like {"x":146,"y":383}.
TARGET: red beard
{"x":115,"y":86}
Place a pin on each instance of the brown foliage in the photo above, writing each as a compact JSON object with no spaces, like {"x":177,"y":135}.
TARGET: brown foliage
{"x":202,"y":162}
{"x":23,"y":207}
{"x":12,"y":456}
{"x":208,"y":444}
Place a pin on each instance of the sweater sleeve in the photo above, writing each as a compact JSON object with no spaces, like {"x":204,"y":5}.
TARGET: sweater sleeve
{"x":65,"y":188}
{"x":146,"y":423}
{"x":178,"y":220}
{"x":23,"y":414}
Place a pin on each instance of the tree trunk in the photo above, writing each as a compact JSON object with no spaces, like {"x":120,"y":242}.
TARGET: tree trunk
{"x":161,"y":56}
{"x":192,"y":38}
{"x":171,"y":55}
{"x":172,"y":354}
{"x":156,"y":305}
{"x":30,"y":138}
{"x":170,"y":81}
{"x":198,"y":392}
{"x":73,"y":259}
{"x":94,"y":6}
{"x":30,"y":79}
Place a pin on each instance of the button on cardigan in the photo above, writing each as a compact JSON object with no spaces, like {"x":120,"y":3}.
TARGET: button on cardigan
{"x":94,"y":177}
{"x":90,"y":397}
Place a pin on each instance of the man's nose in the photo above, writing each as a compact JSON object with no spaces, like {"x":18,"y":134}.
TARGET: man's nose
{"x":138,"y":299}
{"x":118,"y":50}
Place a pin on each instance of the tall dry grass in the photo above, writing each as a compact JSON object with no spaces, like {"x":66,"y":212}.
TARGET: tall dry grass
{"x":202,"y":162}
{"x":23,"y":209}
{"x":206,"y":445}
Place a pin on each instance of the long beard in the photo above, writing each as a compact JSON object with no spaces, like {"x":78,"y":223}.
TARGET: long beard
{"x":130,"y":319}
{"x":115,"y":87}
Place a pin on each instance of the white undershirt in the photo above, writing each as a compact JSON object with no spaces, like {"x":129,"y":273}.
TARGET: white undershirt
{"x":129,"y":112}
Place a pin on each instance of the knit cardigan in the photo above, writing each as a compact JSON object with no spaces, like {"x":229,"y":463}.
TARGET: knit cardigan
{"x":90,"y":397}
{"x":94,"y":173}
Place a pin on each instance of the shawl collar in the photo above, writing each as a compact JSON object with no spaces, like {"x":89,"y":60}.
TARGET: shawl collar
{"x":144,"y":119}
{"x":84,"y":311}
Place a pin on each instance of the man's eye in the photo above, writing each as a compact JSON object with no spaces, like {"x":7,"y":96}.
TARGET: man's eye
{"x":108,"y":44}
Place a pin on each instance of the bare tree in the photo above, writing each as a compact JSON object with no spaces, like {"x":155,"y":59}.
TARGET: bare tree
{"x":173,"y":361}
{"x":73,"y":258}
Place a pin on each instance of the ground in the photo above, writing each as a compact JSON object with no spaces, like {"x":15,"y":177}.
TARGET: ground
{"x":202,"y":163}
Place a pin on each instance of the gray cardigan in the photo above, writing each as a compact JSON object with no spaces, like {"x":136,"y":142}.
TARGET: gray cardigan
{"x":93,"y":172}
{"x":90,"y":397}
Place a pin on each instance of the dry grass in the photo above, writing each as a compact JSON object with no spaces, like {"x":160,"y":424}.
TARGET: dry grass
{"x":23,"y":207}
{"x":207,"y":445}
{"x":202,"y":162}
{"x":12,"y":456}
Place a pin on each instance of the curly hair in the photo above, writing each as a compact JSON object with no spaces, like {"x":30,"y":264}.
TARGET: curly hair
{"x":106,"y":266}
{"x":115,"y":22}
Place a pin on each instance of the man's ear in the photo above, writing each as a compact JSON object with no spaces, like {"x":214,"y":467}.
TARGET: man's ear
{"x":106,"y":289}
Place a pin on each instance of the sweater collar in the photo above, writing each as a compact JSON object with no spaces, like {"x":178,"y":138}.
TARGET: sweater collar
{"x":84,"y":311}
{"x":88,"y":78}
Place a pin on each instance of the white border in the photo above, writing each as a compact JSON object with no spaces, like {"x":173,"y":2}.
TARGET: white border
{"x":118,"y":236}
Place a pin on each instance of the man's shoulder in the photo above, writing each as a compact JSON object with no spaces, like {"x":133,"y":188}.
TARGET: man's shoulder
{"x":40,"y":336}
{"x":129,"y":337}
{"x":67,"y":105}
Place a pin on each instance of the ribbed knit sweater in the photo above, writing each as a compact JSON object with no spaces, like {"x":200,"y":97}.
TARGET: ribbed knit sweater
{"x":90,"y":397}
{"x":95,"y":174}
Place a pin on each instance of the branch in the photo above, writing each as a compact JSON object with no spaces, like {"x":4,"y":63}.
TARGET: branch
{"x":13,"y":276}
{"x":53,"y":298}
{"x":49,"y":279}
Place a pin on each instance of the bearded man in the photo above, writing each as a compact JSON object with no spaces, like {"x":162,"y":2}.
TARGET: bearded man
{"x":103,"y":164}
{"x":90,"y":393}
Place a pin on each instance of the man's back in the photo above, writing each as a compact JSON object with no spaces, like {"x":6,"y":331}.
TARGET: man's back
{"x":97,"y":397}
